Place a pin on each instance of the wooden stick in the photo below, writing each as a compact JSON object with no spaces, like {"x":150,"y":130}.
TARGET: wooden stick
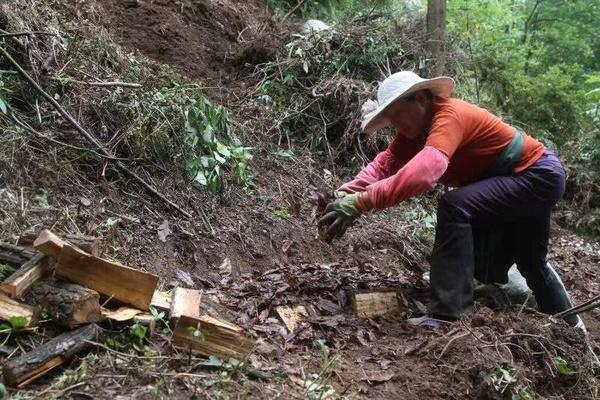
{"x":110,"y":84}
{"x":20,"y":371}
{"x":585,"y":306}
{"x":16,"y":34}
{"x":88,"y":135}
{"x":30,"y":272}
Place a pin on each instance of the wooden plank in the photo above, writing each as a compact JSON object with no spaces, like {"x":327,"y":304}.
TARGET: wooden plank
{"x":21,"y":280}
{"x":14,"y":255}
{"x":49,"y":244}
{"x":146,"y":320}
{"x":89,"y":244}
{"x":67,"y":303}
{"x":218,"y":338}
{"x":185,"y":302}
{"x":20,"y":371}
{"x":373,"y":304}
{"x":12,"y":308}
{"x":116,"y":281}
{"x":291,"y":316}
{"x":161,"y":300}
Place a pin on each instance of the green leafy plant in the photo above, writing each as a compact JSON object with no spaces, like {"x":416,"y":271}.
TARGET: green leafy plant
{"x":562,"y":367}
{"x":207,"y":155}
{"x":196,"y":332}
{"x":283,"y":213}
{"x":41,"y":198}
{"x":14,"y":323}
{"x":5,"y":271}
{"x":138,"y":333}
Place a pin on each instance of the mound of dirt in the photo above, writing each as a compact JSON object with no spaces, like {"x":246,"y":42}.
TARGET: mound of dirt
{"x":200,"y":38}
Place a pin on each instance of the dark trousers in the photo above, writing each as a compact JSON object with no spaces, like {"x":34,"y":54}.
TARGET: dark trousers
{"x":514,"y":210}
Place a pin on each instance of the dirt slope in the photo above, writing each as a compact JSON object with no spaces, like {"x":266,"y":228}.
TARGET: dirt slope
{"x":249,"y":256}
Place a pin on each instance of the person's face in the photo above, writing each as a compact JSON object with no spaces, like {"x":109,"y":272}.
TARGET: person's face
{"x":410,"y":117}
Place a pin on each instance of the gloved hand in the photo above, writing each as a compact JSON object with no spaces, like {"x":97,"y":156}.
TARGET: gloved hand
{"x":339,"y":215}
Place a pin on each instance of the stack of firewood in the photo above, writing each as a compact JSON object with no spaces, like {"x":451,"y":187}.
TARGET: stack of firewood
{"x":74,"y":286}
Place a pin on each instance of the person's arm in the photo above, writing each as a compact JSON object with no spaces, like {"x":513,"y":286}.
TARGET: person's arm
{"x":419,"y":175}
{"x":384,"y":165}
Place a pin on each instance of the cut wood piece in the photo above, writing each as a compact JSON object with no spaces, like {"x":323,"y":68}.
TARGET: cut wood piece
{"x":161,"y":300}
{"x":67,"y":303}
{"x":21,"y":280}
{"x":49,"y":244}
{"x":291,"y":316}
{"x":127,"y":285}
{"x":373,"y":304}
{"x":185,"y":302}
{"x":88,"y":244}
{"x":215,"y":338}
{"x":11,"y":308}
{"x":20,"y":371}
{"x":121,"y":314}
{"x":14,"y":255}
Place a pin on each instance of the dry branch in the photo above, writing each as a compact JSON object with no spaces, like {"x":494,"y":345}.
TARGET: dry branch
{"x":14,"y":255}
{"x":41,"y":360}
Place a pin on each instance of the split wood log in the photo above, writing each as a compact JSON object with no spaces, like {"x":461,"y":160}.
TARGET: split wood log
{"x":21,"y":280}
{"x":291,"y":316}
{"x":89,"y":244}
{"x":208,"y":336}
{"x":11,"y":308}
{"x":127,"y":285}
{"x":161,"y":300}
{"x":14,"y":255}
{"x":67,"y":303}
{"x":49,"y":244}
{"x":20,"y":371}
{"x":185,"y":302}
{"x":373,"y":304}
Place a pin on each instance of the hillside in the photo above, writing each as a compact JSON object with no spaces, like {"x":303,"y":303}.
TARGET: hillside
{"x":250,"y":242}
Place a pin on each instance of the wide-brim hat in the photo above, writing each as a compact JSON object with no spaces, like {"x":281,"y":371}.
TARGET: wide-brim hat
{"x":396,"y":86}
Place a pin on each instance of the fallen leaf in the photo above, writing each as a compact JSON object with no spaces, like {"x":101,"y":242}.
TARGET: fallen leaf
{"x":85,"y":201}
{"x":164,"y":231}
{"x":225,"y":266}
{"x":377,"y":377}
{"x":420,"y":306}
{"x":184,"y":277}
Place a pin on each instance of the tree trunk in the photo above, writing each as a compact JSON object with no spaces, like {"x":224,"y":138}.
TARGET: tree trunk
{"x":436,"y":34}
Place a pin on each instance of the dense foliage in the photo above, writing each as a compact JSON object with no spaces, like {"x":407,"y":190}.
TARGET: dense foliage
{"x":535,"y":62}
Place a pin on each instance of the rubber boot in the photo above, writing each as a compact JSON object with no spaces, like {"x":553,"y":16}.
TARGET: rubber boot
{"x":452,"y":266}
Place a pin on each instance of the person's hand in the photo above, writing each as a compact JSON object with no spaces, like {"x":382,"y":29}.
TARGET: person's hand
{"x":339,"y":215}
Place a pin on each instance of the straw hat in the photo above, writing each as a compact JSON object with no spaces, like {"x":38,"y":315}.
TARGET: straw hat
{"x":394,"y":87}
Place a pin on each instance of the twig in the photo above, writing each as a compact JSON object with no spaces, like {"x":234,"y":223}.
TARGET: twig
{"x":585,"y":306}
{"x":5,"y":34}
{"x":105,"y":84}
{"x":293,"y":10}
{"x":89,"y":136}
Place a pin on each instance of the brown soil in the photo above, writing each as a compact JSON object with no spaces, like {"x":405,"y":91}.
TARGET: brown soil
{"x":203,"y":39}
{"x":276,"y":260}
